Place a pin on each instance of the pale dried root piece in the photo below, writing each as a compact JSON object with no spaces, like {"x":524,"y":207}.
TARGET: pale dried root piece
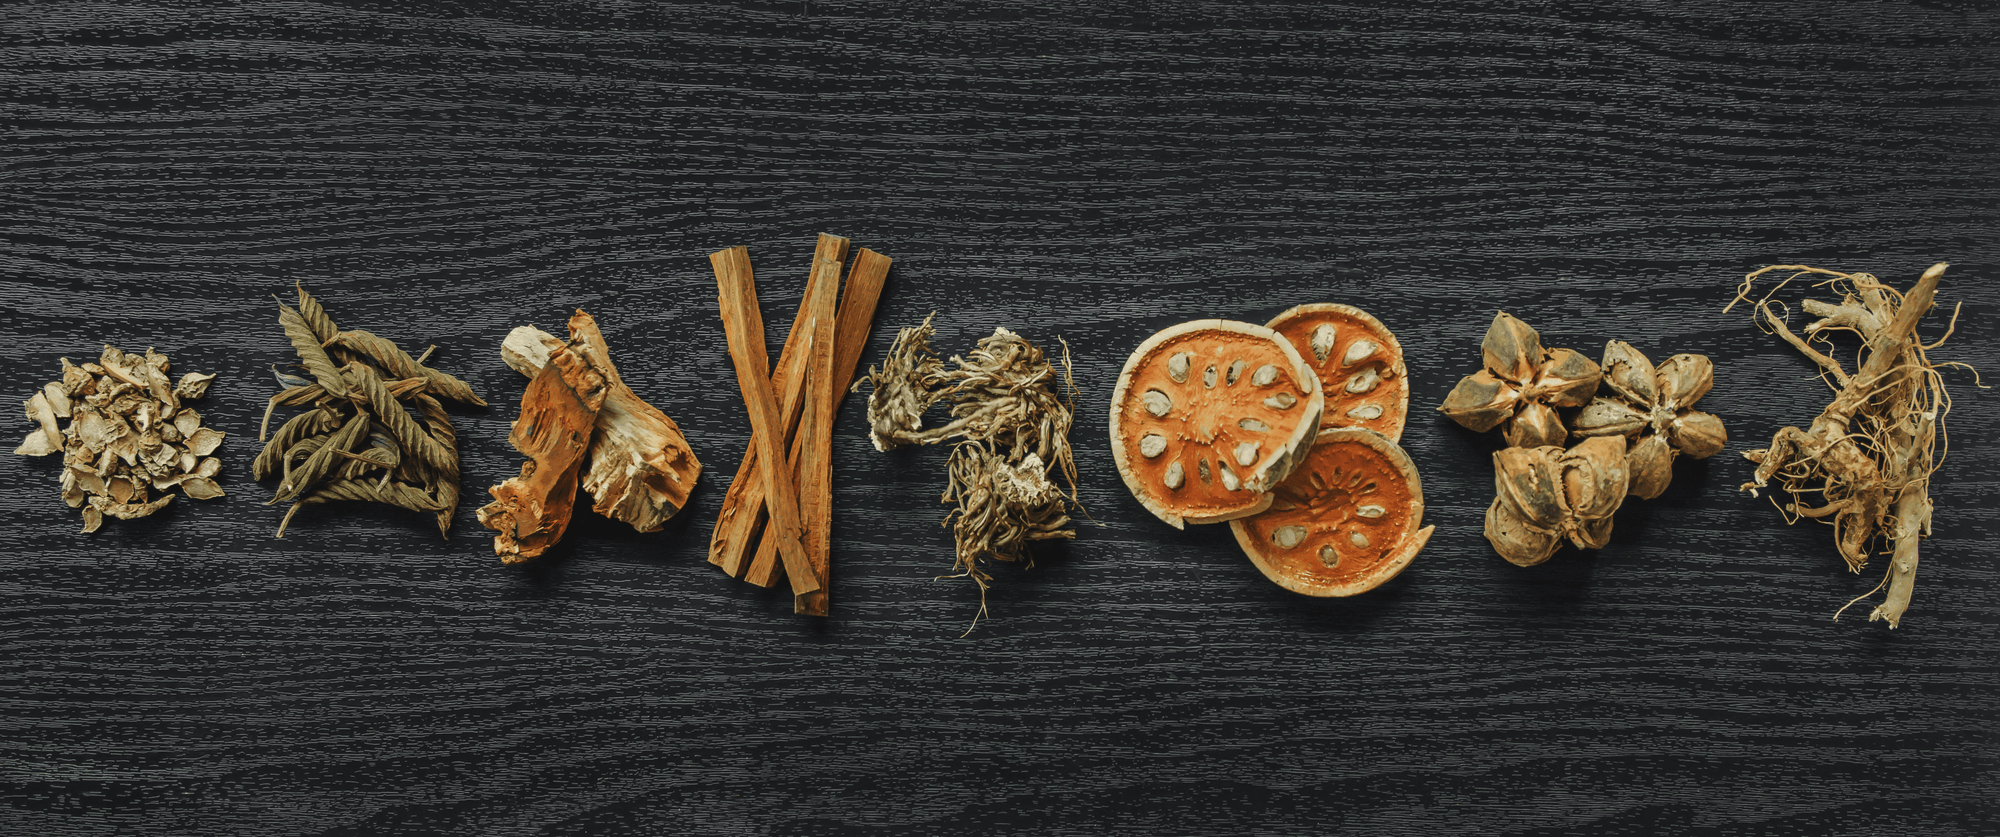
{"x":641,"y":467}
{"x":1359,"y":363}
{"x":1547,"y":494}
{"x":1652,"y":408}
{"x":1344,"y":522}
{"x":1521,"y":386}
{"x":1208,"y":416}
{"x":1867,"y":459}
{"x":530,"y":512}
{"x":128,"y":435}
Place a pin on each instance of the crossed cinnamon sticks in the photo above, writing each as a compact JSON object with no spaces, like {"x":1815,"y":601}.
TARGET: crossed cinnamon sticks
{"x":785,"y":514}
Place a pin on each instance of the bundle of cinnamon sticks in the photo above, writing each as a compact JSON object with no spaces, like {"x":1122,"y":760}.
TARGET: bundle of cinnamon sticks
{"x":777,"y":518}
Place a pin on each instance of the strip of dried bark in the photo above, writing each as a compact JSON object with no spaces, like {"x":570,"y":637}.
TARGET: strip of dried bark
{"x":530,"y":512}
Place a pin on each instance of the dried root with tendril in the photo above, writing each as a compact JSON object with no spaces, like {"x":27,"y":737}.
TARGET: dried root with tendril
{"x":1866,"y":461}
{"x":1011,"y":418}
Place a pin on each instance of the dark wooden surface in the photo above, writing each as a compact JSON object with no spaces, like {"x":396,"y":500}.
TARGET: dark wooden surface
{"x":441,"y":173}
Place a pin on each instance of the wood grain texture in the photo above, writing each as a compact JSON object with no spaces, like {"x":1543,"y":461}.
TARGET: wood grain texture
{"x":442,"y":172}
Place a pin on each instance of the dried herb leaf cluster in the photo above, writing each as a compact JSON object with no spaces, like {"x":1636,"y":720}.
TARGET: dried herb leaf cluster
{"x":129,"y":435}
{"x":577,"y":408}
{"x":359,"y":442}
{"x":1547,"y":493}
{"x":1011,"y":412}
{"x":1865,"y":462}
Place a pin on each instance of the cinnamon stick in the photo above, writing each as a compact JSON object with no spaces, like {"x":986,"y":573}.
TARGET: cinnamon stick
{"x":852,"y":324}
{"x":744,"y":325}
{"x":739,"y":527}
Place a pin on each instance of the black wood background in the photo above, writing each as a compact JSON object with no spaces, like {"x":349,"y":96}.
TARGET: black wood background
{"x":442,"y":172}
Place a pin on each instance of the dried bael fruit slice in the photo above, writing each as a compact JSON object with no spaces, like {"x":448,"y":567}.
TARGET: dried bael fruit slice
{"x":1344,"y":522}
{"x":1208,"y":416}
{"x":1359,"y":362}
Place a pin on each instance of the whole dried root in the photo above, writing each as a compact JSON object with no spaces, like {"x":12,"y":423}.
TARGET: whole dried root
{"x":1011,"y":418}
{"x":1868,"y":457}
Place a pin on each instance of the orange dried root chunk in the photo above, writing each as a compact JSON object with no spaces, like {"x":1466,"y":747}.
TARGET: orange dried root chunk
{"x":1359,"y":362}
{"x":1208,"y":416}
{"x":1344,"y":522}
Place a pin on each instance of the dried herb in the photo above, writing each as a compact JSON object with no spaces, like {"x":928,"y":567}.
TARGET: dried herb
{"x":1208,"y":416}
{"x":1347,"y":520}
{"x":1547,"y":494}
{"x":530,"y":512}
{"x":129,"y":435}
{"x":1521,"y":386}
{"x":1010,"y":414}
{"x":812,"y":375}
{"x":640,"y":466}
{"x":1653,"y":409}
{"x":1867,"y":459}
{"x":358,"y":440}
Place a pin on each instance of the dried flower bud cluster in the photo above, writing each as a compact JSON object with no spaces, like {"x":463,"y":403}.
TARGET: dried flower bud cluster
{"x":128,"y":436}
{"x":358,"y":442}
{"x":1547,"y":494}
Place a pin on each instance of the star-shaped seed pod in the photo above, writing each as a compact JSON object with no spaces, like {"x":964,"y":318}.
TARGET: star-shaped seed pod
{"x":1521,"y":386}
{"x":1547,"y":494}
{"x":1650,"y":407}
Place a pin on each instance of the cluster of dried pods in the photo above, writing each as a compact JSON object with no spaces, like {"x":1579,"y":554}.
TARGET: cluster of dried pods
{"x":777,"y":520}
{"x":1011,"y":412}
{"x":1869,"y":455}
{"x":129,"y":435}
{"x":577,"y":407}
{"x":1540,"y":398}
{"x":358,"y":442}
{"x":1287,"y":431}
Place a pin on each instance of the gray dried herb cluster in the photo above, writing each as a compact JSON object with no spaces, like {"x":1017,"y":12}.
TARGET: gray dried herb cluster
{"x":1010,"y":417}
{"x":128,"y":436}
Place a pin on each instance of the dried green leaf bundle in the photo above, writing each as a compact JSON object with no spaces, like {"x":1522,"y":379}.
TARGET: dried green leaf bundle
{"x":1869,"y":455}
{"x":358,"y":441}
{"x":1010,"y":414}
{"x":129,"y":435}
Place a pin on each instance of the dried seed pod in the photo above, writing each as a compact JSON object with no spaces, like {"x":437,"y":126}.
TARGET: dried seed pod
{"x":1547,"y":494}
{"x":1344,"y":522}
{"x":1222,"y":444}
{"x":1650,"y":407}
{"x":1521,"y":385}
{"x":1359,"y":363}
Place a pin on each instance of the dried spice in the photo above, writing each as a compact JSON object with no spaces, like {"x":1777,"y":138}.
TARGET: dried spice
{"x":358,"y":441}
{"x":1208,"y":416}
{"x":640,"y":466}
{"x":1866,"y":461}
{"x":1652,"y":409}
{"x":1344,"y":522}
{"x":129,"y":435}
{"x":1359,"y":363}
{"x":812,"y":376}
{"x":1011,"y":413}
{"x":558,"y":413}
{"x":1521,"y":386}
{"x":1547,"y":494}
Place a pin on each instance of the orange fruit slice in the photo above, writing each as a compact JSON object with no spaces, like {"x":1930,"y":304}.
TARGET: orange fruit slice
{"x":1359,"y":362}
{"x":1344,"y":522}
{"x":1208,"y":416}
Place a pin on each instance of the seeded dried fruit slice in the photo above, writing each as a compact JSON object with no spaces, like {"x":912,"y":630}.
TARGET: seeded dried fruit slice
{"x":1208,"y":416}
{"x":1359,"y":362}
{"x":1344,"y":522}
